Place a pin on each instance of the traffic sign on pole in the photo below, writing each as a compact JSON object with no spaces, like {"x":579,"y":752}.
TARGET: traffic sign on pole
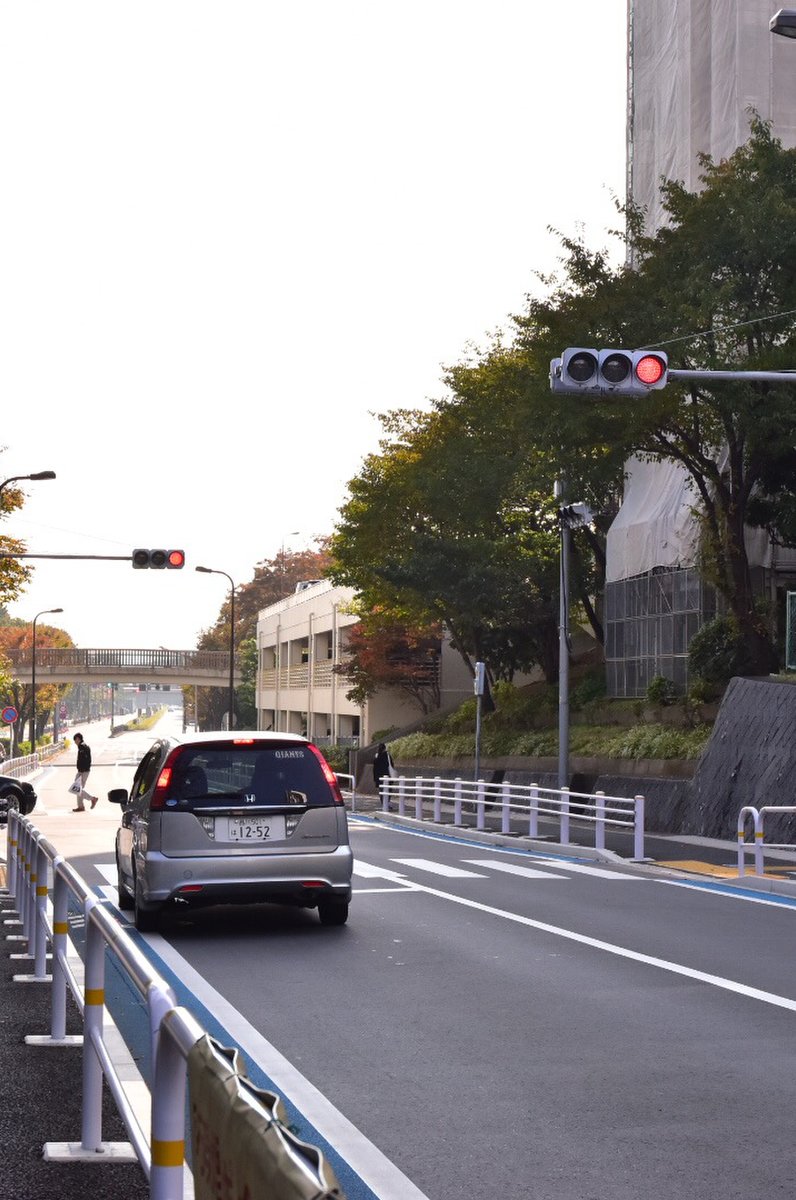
{"x":9,"y":714}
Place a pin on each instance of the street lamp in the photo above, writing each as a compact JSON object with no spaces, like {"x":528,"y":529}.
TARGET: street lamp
{"x":33,"y":677}
{"x":17,"y":478}
{"x":213,"y":571}
{"x":784,"y":22}
{"x":292,"y":533}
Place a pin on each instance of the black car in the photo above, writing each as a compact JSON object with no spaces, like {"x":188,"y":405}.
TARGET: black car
{"x":15,"y":794}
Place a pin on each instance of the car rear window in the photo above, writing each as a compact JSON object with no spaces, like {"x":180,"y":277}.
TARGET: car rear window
{"x":271,"y":775}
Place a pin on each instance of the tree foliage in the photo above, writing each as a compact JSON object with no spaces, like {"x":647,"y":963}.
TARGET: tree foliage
{"x":382,"y":654}
{"x":274,"y":579}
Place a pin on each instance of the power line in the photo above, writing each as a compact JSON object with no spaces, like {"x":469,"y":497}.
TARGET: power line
{"x":688,"y":337}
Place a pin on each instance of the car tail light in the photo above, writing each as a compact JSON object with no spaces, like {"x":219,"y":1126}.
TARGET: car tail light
{"x":243,"y":742}
{"x":328,"y":774}
{"x":163,"y":782}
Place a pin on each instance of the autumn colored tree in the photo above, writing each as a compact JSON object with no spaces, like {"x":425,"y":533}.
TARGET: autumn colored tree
{"x":17,"y":634}
{"x":273,"y":580}
{"x":382,"y":654}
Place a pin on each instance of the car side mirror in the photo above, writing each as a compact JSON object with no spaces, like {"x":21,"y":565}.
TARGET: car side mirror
{"x":118,"y":796}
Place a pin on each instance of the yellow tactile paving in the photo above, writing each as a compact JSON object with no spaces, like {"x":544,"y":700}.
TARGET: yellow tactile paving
{"x":695,"y":867}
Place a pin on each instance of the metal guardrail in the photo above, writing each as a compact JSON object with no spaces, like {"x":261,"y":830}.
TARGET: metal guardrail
{"x":529,"y":802}
{"x":174,"y":1032}
{"x":349,"y":788}
{"x":14,"y":767}
{"x":759,"y":844}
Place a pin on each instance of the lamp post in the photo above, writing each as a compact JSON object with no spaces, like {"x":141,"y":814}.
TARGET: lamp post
{"x":292,"y":533}
{"x":17,"y":478}
{"x":33,"y":678}
{"x":213,"y":571}
{"x":784,"y":22}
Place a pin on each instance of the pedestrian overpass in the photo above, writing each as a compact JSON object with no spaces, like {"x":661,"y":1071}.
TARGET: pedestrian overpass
{"x":178,"y":668}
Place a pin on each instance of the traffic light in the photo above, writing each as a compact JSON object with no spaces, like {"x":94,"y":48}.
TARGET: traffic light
{"x":609,"y":372}
{"x":158,"y":559}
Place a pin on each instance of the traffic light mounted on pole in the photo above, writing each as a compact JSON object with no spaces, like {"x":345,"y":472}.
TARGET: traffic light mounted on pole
{"x":589,"y":372}
{"x":173,"y":560}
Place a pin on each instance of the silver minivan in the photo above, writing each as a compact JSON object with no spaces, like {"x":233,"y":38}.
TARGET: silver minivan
{"x":233,"y":818}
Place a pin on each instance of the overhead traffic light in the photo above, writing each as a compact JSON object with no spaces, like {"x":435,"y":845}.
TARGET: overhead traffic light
{"x":609,"y":372}
{"x":158,"y":559}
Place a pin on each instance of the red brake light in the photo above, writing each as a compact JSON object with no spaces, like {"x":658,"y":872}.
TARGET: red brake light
{"x":243,"y":742}
{"x":163,"y":781}
{"x":650,"y":369}
{"x":328,"y":773}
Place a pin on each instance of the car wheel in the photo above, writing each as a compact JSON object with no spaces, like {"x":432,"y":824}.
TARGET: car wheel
{"x":126,"y":902}
{"x":146,"y":919}
{"x":13,"y":801}
{"x":333,"y":911}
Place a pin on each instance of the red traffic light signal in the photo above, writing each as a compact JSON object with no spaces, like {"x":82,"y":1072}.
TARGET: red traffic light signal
{"x":598,"y":373}
{"x":158,"y":559}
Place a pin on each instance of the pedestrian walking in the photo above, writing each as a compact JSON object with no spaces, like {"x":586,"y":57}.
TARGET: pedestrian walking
{"x":383,"y":766}
{"x":83,"y":768}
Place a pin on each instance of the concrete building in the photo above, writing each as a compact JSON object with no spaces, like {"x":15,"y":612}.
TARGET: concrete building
{"x":300,"y":640}
{"x":695,"y":68}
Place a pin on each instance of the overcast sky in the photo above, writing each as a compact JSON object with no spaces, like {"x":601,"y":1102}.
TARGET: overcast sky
{"x":230,"y":232}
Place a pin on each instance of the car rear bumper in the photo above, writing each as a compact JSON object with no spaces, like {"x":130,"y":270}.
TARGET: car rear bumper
{"x":297,"y":879}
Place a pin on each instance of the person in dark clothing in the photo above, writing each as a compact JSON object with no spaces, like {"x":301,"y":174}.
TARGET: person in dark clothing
{"x":83,"y":768}
{"x":383,"y":766}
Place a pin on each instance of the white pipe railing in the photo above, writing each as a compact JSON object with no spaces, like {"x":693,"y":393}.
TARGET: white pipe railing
{"x":525,"y":804}
{"x":348,"y":788}
{"x":173,"y":1030}
{"x":759,"y":844}
{"x":14,"y":767}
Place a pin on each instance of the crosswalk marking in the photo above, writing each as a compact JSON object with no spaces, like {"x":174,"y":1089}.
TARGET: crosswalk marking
{"x":370,"y":871}
{"x":435,"y":868}
{"x":512,"y":868}
{"x":599,"y":872}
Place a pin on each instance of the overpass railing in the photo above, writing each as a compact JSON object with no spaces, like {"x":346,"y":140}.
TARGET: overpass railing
{"x":186,"y":1063}
{"x":516,"y":805}
{"x":48,"y":657}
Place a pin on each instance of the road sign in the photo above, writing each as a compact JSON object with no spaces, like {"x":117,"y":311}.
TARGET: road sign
{"x":9,"y":714}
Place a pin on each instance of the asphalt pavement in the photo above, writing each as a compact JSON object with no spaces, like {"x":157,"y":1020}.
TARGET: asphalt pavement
{"x":41,"y":1086}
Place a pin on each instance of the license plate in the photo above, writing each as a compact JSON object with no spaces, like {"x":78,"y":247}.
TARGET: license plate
{"x":253,"y":829}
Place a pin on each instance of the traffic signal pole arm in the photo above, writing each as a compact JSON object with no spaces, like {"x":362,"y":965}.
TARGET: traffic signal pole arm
{"x":736,"y":376}
{"x":594,"y":373}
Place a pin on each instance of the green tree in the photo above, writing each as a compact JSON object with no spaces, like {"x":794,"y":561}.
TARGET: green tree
{"x":717,"y":286}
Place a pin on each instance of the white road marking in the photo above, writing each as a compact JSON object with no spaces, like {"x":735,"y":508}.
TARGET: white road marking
{"x":107,"y":871}
{"x":435,"y":868}
{"x":373,"y":1167}
{"x":512,"y":868}
{"x":649,"y":960}
{"x":370,"y":871}
{"x":599,"y":872}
